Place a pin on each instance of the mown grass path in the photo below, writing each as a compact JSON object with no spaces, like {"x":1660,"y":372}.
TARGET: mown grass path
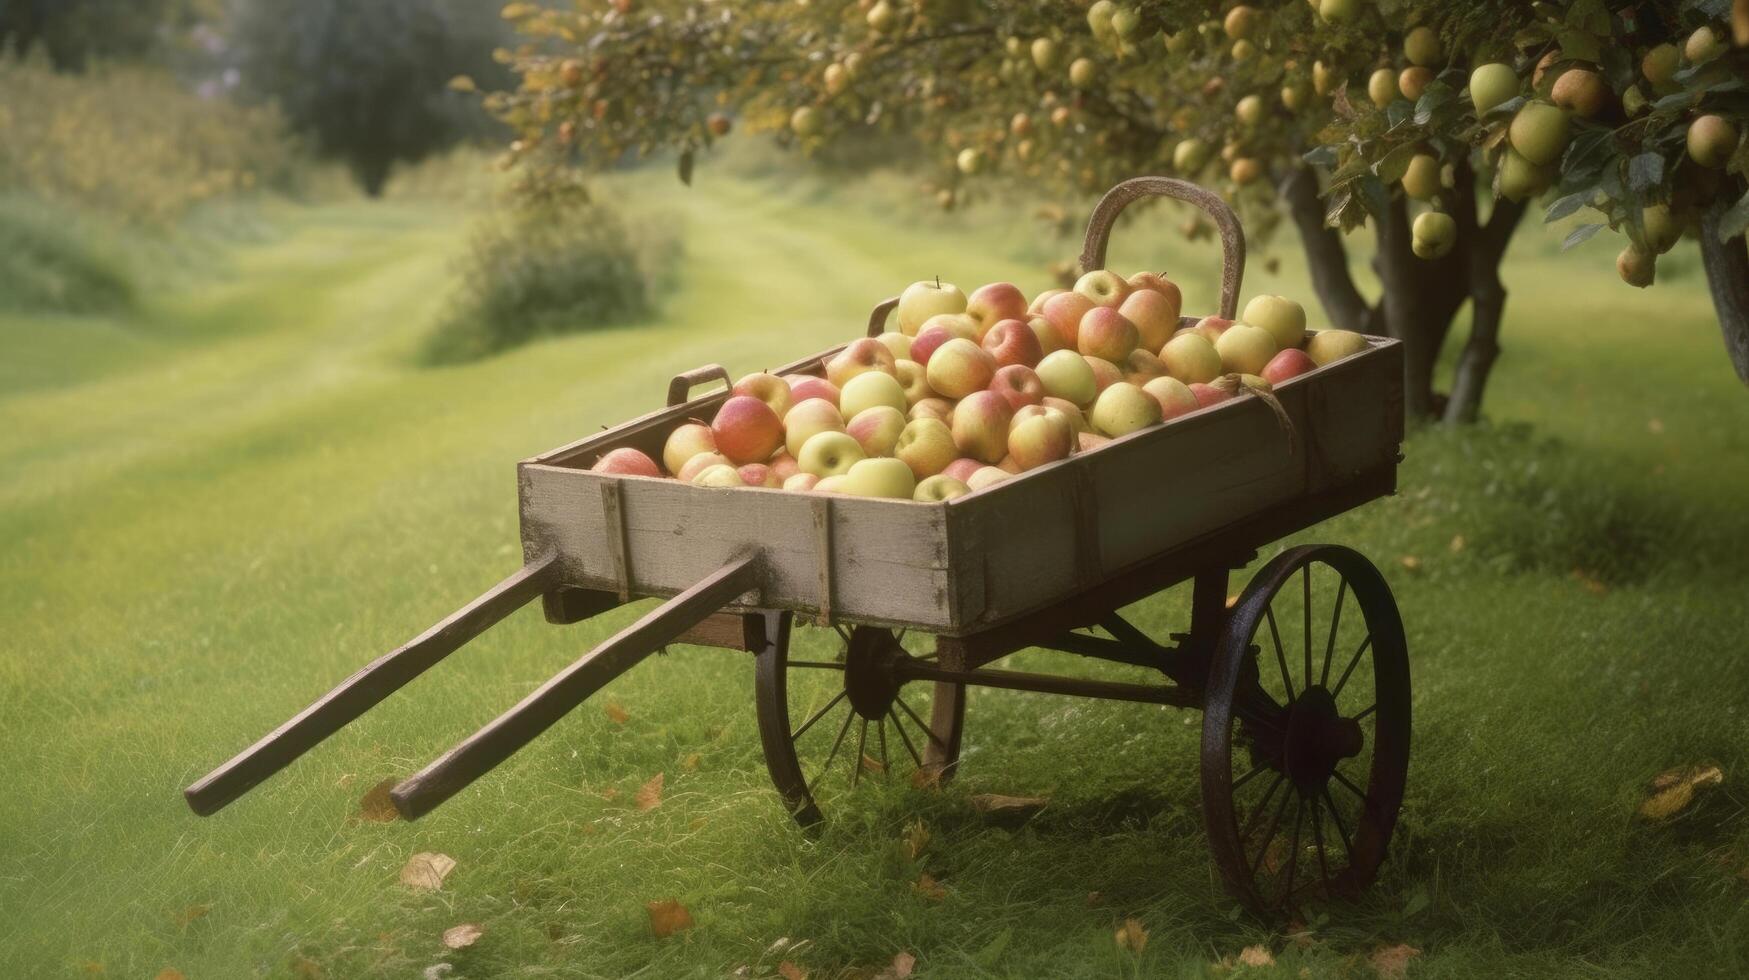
{"x":212,"y":511}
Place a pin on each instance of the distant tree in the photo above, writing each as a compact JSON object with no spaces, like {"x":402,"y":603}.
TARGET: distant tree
{"x":369,"y":81}
{"x":74,"y":32}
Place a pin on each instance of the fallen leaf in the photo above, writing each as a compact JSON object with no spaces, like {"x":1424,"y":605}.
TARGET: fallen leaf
{"x":790,"y":971}
{"x":617,"y":714}
{"x":903,"y":964}
{"x":928,"y":777}
{"x":305,"y":968}
{"x":1390,"y":962}
{"x":462,"y":936}
{"x":1673,"y":790}
{"x":610,"y":794}
{"x":376,"y":806}
{"x":1457,"y":543}
{"x":668,"y":917}
{"x":1132,"y":936}
{"x":92,"y":967}
{"x":649,"y":795}
{"x":426,"y":870}
{"x":916,"y":839}
{"x":1655,"y":426}
{"x":1590,"y":582}
{"x":170,"y":973}
{"x":999,"y":805}
{"x":928,"y":887}
{"x":871,"y":764}
{"x":690,"y":763}
{"x":1411,"y":562}
{"x":1256,"y":956}
{"x":1095,"y":900}
{"x":188,"y":915}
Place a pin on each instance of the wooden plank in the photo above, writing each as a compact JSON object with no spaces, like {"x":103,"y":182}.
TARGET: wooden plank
{"x":613,"y":521}
{"x":485,"y":749}
{"x":730,"y":631}
{"x":823,"y":557}
{"x":364,"y":689}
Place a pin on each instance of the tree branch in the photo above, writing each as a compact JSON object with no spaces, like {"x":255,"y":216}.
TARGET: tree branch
{"x":1326,"y":256}
{"x":1727,"y":275}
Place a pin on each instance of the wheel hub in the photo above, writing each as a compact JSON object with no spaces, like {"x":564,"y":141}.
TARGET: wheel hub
{"x":869,"y":675}
{"x":1318,"y":738}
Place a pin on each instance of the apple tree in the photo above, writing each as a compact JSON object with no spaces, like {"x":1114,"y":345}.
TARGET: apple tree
{"x":1439,"y":123}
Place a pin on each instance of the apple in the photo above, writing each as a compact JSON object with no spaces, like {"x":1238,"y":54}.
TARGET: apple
{"x":1038,"y":302}
{"x":1190,"y":156}
{"x":685,"y":442}
{"x":1083,"y":72}
{"x":1012,"y":342}
{"x":1245,"y":170}
{"x":980,"y":425}
{"x":829,"y":454}
{"x":1282,"y":317}
{"x":860,"y":356}
{"x":1250,"y":110}
{"x":1660,"y":64}
{"x":1421,"y":179}
{"x":1434,"y":234}
{"x":1520,"y":178}
{"x":1492,"y":84}
{"x":626,"y":461}
{"x":1662,"y":227}
{"x":1174,"y":396}
{"x":987,"y":476}
{"x":991,"y":304}
{"x":1381,"y":88}
{"x":768,"y":388}
{"x":1018,"y":385}
{"x":1104,"y":287}
{"x":1086,"y":442}
{"x":869,"y":389}
{"x":805,"y":386}
{"x":807,"y":419}
{"x":881,"y":17}
{"x":1539,"y":132}
{"x":924,"y":299}
{"x":1065,"y":311}
{"x":1190,"y":357}
{"x":937,"y":408}
{"x":1295,"y":96}
{"x":898,"y":343}
{"x":1711,"y":141}
{"x":962,"y":469}
{"x":806,"y":121}
{"x":759,"y":475}
{"x":1207,"y":395}
{"x":801,"y":481}
{"x":1211,"y":327}
{"x":969,"y":161}
{"x":1122,"y":409}
{"x":1245,"y":349}
{"x":879,"y":478}
{"x":939,"y":330}
{"x":1044,"y":53}
{"x":718,"y":475}
{"x":1423,"y":48}
{"x":1141,"y":366}
{"x":1241,"y":22}
{"x":1704,"y":45}
{"x":1069,"y":409}
{"x":1413,"y":82}
{"x":876,"y":429}
{"x":747,"y":430}
{"x":1068,"y":376}
{"x":1338,"y":11}
{"x":1290,"y":363}
{"x":1008,"y":465}
{"x":1324,"y":78}
{"x":927,"y":446}
{"x":699,"y":464}
{"x":1105,"y":373}
{"x":784,"y":466}
{"x":1154,"y":314}
{"x":1636,"y":268}
{"x":913,"y":380}
{"x":1044,"y":435}
{"x":1106,"y":333}
{"x":1326,"y":346}
{"x":1582,"y":92}
{"x":939,"y":488}
{"x":960,"y":367}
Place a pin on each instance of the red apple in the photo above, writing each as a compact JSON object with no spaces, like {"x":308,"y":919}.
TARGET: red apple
{"x":877,"y":429}
{"x":1207,"y":395}
{"x":1105,"y":373}
{"x":627,"y":461}
{"x":1018,"y":385}
{"x":747,"y":430}
{"x":937,"y":331}
{"x":991,"y":304}
{"x":768,"y":388}
{"x":1167,"y":289}
{"x":685,"y":442}
{"x":1048,"y":338}
{"x":1211,"y":327}
{"x":1174,"y":396}
{"x":1013,"y":342}
{"x":932,"y":408}
{"x":980,"y":425}
{"x":1155,"y":317}
{"x":860,"y":355}
{"x":1104,"y":287}
{"x":962,"y":469}
{"x":784,"y":466}
{"x":1039,"y":301}
{"x":805,"y":386}
{"x":1065,"y":311}
{"x":698,"y":464}
{"x":759,"y":475}
{"x":1039,"y":435}
{"x":1105,"y":333}
{"x":1288,"y":364}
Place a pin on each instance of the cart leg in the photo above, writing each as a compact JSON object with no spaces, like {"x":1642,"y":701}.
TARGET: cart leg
{"x":1208,"y":616}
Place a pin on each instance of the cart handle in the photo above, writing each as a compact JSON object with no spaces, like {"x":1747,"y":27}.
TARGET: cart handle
{"x":681,"y":385}
{"x":877,"y":319}
{"x":1232,"y":236}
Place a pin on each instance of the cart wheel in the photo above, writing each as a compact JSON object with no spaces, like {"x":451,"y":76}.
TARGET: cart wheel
{"x":1305,"y":738}
{"x":837,"y":715}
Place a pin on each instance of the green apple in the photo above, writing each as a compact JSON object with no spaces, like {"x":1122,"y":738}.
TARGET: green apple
{"x":1123,"y":408}
{"x":1324,"y":78}
{"x":939,"y":488}
{"x":1249,"y":111}
{"x":1539,"y":132}
{"x":1381,"y":88}
{"x":1099,"y":15}
{"x":1663,"y":229}
{"x":871,"y":388}
{"x":1421,"y":178}
{"x":1282,"y":317}
{"x":1327,"y":346}
{"x":1241,"y":22}
{"x":924,"y":299}
{"x":876,"y":429}
{"x":1423,"y":48}
{"x":1636,"y":268}
{"x":829,"y":454}
{"x":685,"y":442}
{"x":1068,"y":376}
{"x":1711,"y":141}
{"x":885,"y":477}
{"x":1492,"y":84}
{"x":1434,"y":234}
{"x":1244,"y":349}
{"x":927,"y":446}
{"x":806,"y":121}
{"x":1659,"y":66}
{"x":882,"y":17}
{"x":718,"y":475}
{"x":1044,"y":54}
{"x":1190,"y":156}
{"x":807,"y":419}
{"x":1190,"y":357}
{"x":1704,"y":45}
{"x":969,"y":161}
{"x":1082,"y":73}
{"x":1519,"y":178}
{"x":1124,"y":22}
{"x":1338,"y":11}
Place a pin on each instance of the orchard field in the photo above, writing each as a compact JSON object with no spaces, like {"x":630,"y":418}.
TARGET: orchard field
{"x":215,"y":508}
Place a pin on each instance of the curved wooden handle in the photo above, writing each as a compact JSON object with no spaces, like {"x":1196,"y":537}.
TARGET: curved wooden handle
{"x":877,"y":320}
{"x":1136,"y":188}
{"x":680,"y":388}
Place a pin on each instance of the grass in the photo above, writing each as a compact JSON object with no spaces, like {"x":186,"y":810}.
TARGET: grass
{"x":219,"y":505}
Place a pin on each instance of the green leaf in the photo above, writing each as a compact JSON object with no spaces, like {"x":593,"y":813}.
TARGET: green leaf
{"x":1394,"y":164}
{"x":1734,"y":221}
{"x":1566,"y":206}
{"x":1578,"y":45}
{"x":686,"y":168}
{"x":1645,"y":171}
{"x":1437,"y":97}
{"x":1580,"y":235}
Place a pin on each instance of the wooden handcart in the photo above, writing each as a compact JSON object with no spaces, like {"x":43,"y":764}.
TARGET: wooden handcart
{"x":1302,"y":678}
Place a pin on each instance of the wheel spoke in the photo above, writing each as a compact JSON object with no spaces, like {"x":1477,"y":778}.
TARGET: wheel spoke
{"x":1280,"y":657}
{"x":1293,"y":848}
{"x":1356,"y":790}
{"x":900,"y":728}
{"x":820,"y":664}
{"x":861,"y":745}
{"x":843,"y":633}
{"x":818,"y":715}
{"x":1336,"y":818}
{"x":1306,"y":579}
{"x":1269,"y":835}
{"x":1242,"y":780}
{"x":1352,"y":663}
{"x":1369,"y":709}
{"x":881,"y":730}
{"x":1335,"y":627}
{"x":926,"y":729}
{"x":1318,"y":838}
{"x":1262,"y":807}
{"x":849,"y":717}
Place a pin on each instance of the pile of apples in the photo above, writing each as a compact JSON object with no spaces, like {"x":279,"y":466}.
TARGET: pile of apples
{"x":970,"y":391}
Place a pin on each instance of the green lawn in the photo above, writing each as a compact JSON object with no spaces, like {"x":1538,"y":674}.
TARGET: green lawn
{"x":216,"y":509}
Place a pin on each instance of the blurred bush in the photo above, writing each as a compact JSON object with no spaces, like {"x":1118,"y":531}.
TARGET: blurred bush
{"x":48,"y":262}
{"x":559,"y":267}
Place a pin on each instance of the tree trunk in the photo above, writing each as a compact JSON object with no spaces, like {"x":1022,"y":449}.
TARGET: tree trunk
{"x":1326,"y":256}
{"x":372,"y":172}
{"x":1727,"y":275}
{"x":1486,"y":246}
